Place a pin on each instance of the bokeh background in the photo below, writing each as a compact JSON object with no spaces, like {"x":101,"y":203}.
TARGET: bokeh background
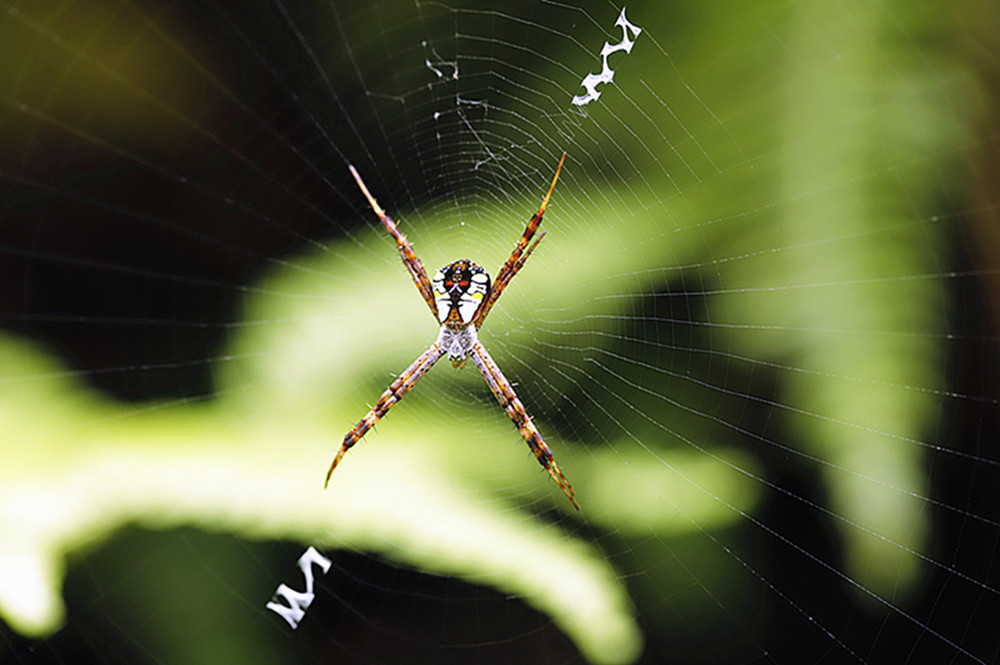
{"x":760,"y":334}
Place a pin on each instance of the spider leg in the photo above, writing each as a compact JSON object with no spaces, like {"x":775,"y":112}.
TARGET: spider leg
{"x":520,"y":262}
{"x":505,"y":394}
{"x":518,"y":256}
{"x":402,"y":385}
{"x":406,"y":252}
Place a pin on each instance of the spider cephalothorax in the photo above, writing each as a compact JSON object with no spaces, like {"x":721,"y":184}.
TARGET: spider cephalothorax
{"x":459,"y":290}
{"x":460,"y":297}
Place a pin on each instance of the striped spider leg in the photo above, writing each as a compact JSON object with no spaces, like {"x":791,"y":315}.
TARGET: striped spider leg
{"x":516,"y":260}
{"x":393,"y":394}
{"x":460,"y":296}
{"x":504,"y":392}
{"x":406,"y":252}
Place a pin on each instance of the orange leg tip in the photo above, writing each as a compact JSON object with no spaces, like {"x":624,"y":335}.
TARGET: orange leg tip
{"x":545,"y":201}
{"x":333,"y":465}
{"x":564,"y":485}
{"x":568,"y":491}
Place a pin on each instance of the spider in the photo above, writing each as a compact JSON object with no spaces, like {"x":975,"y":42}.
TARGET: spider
{"x":460,"y":297}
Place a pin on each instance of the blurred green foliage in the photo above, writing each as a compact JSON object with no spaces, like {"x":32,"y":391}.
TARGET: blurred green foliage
{"x":795,"y":197}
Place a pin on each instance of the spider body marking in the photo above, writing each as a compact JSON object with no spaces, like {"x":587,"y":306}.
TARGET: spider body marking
{"x":460,"y":296}
{"x":459,"y":288}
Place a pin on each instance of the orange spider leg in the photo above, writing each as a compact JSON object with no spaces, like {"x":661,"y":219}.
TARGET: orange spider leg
{"x":406,"y":252}
{"x":504,"y":393}
{"x":516,"y":260}
{"x":395,"y":392}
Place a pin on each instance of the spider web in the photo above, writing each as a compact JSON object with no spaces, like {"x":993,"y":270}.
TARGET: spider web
{"x":759,"y":335}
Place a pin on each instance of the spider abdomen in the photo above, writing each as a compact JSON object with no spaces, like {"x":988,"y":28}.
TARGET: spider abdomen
{"x":457,"y":342}
{"x":460,"y":288}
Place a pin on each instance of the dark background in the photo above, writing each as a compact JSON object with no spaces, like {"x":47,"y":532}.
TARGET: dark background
{"x":134,"y":276}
